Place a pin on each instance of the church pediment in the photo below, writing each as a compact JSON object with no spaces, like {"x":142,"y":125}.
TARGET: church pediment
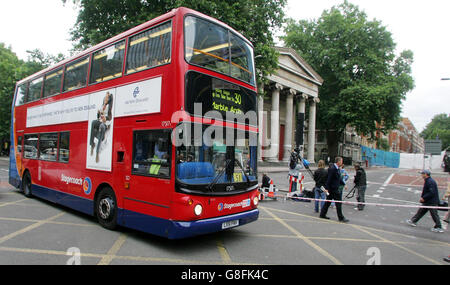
{"x":292,"y":65}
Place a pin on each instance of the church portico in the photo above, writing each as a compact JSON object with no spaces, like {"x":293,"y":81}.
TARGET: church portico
{"x":293,"y":87}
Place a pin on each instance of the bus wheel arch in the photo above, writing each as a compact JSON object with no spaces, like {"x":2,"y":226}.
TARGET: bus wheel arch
{"x":25,"y":185}
{"x":105,"y":206}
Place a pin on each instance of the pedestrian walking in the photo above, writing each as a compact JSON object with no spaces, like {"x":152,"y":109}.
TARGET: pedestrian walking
{"x":320,"y":177}
{"x":361,"y":186}
{"x":333,"y":182}
{"x":430,"y":197}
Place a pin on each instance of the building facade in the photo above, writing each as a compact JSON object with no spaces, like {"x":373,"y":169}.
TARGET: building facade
{"x":292,"y":90}
{"x":406,"y":139}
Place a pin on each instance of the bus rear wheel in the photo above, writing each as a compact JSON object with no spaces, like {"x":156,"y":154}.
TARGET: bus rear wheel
{"x":106,"y":208}
{"x":26,"y":185}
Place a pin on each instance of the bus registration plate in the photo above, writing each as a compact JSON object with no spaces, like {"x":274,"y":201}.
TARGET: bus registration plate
{"x":230,"y":224}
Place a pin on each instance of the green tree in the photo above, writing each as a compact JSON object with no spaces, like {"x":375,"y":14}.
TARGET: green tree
{"x":12,"y":69}
{"x":99,"y":20}
{"x":38,"y":60}
{"x":364,"y":82}
{"x":383,"y":144}
{"x":438,"y":127}
{"x":10,"y":72}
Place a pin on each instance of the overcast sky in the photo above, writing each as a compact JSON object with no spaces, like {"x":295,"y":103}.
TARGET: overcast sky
{"x":422,"y":26}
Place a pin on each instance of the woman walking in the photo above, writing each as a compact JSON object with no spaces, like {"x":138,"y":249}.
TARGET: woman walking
{"x":320,"y":177}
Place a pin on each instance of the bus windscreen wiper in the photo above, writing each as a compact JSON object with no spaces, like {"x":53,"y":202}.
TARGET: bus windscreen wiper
{"x":218,"y":175}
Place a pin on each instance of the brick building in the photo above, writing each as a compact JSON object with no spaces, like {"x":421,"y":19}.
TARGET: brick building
{"x":406,"y":139}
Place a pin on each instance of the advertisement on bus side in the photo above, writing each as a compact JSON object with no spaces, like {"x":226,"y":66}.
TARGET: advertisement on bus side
{"x":100,"y":130}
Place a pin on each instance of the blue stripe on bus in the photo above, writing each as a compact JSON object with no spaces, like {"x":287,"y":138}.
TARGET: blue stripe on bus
{"x":179,"y":230}
{"x":71,"y":201}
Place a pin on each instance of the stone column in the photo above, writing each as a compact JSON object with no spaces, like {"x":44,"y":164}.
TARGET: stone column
{"x":312,"y":129}
{"x":289,"y":125}
{"x":302,"y":106}
{"x":275,"y":124}
{"x":300,"y":129}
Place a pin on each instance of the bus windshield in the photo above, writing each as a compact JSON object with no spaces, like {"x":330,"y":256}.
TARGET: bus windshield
{"x":214,"y":47}
{"x":223,"y":156}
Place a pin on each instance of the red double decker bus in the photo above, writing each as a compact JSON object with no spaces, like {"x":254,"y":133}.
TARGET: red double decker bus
{"x":152,"y":129}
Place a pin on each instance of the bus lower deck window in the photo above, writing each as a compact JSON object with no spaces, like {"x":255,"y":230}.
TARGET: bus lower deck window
{"x":64,"y":147}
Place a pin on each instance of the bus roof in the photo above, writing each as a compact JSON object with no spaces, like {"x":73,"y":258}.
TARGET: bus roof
{"x":128,"y":33}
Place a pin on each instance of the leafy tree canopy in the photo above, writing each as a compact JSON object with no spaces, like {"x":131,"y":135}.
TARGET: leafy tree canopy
{"x":99,"y":20}
{"x":439,"y":127}
{"x":364,"y":81}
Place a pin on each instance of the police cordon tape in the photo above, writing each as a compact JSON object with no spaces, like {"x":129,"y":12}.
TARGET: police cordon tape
{"x":366,"y":204}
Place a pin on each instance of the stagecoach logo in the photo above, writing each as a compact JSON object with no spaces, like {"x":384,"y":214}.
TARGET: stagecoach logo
{"x":87,"y":186}
{"x":71,"y":180}
{"x":136,"y":92}
{"x":244,"y":204}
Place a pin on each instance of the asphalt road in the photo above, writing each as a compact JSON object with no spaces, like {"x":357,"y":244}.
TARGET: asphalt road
{"x":33,"y":231}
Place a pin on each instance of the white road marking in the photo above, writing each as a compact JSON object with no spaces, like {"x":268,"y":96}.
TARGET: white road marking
{"x":388,"y":180}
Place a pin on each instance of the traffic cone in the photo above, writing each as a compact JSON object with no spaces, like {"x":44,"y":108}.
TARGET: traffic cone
{"x":271,"y":192}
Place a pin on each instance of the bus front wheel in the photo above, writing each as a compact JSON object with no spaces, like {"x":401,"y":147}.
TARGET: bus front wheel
{"x":106,"y":208}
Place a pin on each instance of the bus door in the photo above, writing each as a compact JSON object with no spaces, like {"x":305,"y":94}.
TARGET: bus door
{"x":150,"y":190}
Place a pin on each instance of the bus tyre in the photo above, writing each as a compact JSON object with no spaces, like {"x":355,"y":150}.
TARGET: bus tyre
{"x":106,"y":208}
{"x":26,"y":185}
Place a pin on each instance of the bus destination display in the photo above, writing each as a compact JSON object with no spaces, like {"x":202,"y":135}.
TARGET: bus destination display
{"x":227,"y":101}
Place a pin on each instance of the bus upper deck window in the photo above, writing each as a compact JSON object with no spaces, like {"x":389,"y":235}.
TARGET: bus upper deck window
{"x":34,"y":91}
{"x":52,"y":84}
{"x":107,"y":63}
{"x":150,"y":48}
{"x":75,"y":75}
{"x":21,"y":94}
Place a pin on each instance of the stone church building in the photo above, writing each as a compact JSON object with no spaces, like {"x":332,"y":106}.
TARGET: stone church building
{"x":292,"y":91}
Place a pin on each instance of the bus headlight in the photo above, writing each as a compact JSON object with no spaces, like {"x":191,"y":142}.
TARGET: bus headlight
{"x":198,"y":210}
{"x":255,"y":201}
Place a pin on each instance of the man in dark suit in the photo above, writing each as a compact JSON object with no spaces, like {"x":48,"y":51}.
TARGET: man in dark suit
{"x":333,"y":182}
{"x":430,"y":197}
